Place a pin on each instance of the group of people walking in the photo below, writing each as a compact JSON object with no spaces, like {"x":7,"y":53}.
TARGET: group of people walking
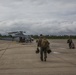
{"x":43,"y":46}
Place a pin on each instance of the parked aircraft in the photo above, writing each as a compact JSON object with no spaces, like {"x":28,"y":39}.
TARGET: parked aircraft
{"x":20,"y":36}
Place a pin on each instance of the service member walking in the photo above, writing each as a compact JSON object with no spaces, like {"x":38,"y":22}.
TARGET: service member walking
{"x":71,"y":43}
{"x":43,"y":44}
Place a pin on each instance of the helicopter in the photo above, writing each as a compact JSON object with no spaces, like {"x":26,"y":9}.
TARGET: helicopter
{"x":20,"y":36}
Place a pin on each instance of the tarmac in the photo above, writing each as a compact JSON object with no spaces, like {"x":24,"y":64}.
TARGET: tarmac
{"x":21,"y":59}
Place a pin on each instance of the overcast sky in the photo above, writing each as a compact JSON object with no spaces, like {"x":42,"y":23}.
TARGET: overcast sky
{"x":55,"y":17}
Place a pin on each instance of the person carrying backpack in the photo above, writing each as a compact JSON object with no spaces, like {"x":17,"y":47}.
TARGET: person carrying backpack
{"x":70,"y":42}
{"x":43,"y":44}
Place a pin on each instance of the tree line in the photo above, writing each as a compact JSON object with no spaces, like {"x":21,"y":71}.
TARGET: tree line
{"x":47,"y":36}
{"x":55,"y":36}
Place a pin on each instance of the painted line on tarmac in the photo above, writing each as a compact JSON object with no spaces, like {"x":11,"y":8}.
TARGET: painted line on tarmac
{"x":56,"y":52}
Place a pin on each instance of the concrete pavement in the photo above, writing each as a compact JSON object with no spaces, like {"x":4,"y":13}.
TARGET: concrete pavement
{"x":21,"y":59}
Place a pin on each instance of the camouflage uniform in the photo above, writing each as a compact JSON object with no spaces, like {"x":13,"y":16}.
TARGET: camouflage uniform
{"x":43,"y":44}
{"x":70,"y":43}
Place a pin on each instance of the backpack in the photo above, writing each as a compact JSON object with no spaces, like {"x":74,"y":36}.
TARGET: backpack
{"x":73,"y":46}
{"x":44,"y":43}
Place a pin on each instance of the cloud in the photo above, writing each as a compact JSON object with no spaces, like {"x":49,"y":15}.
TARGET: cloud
{"x":38,"y":16}
{"x":37,"y":27}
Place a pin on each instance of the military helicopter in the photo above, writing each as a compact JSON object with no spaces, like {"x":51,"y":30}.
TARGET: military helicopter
{"x":20,"y":36}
